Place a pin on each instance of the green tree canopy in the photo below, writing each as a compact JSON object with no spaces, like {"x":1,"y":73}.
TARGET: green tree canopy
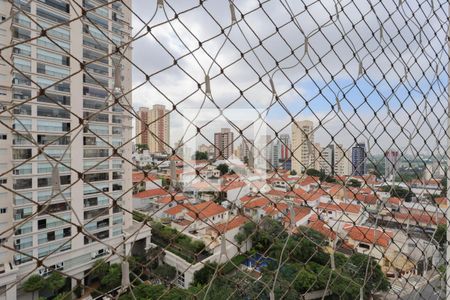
{"x":199,"y":155}
{"x":223,"y":168}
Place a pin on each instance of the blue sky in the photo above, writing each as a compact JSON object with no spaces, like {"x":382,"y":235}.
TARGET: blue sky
{"x":386,"y":43}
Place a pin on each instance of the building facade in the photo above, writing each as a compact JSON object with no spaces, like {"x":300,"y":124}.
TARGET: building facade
{"x":359,"y":157}
{"x":54,"y":148}
{"x":391,"y":160}
{"x":342,"y":162}
{"x":157,"y":136}
{"x":302,"y":146}
{"x":223,"y":144}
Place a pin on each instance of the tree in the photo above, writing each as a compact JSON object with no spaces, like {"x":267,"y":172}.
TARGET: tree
{"x":99,"y":269}
{"x":199,"y":155}
{"x":375,"y":279}
{"x":55,"y":282}
{"x":34,"y":283}
{"x":165,"y":272}
{"x":293,"y":172}
{"x":203,"y":275}
{"x":223,"y":168}
{"x":353,"y":183}
{"x":396,"y":191}
{"x":313,"y":172}
{"x":141,"y":147}
{"x":112,"y":278}
{"x":441,"y":235}
{"x":444,"y":187}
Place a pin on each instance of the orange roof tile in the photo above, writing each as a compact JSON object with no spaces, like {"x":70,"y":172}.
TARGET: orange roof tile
{"x":205,"y":210}
{"x":168,"y":199}
{"x":423,"y":217}
{"x":276,"y":193}
{"x":140,"y":176}
{"x":236,"y":222}
{"x":343,"y":207}
{"x":441,"y":200}
{"x":151,"y":193}
{"x":258,"y":202}
{"x":323,"y":228}
{"x":369,"y":235}
{"x":367,"y":199}
{"x":309,"y":180}
{"x":300,"y":213}
{"x":233,"y":185}
{"x":175,"y":210}
{"x":394,"y":200}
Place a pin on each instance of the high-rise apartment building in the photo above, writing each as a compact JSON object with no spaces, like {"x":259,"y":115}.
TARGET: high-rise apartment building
{"x":302,"y":146}
{"x":342,"y":162}
{"x":325,"y":159}
{"x":244,"y":149}
{"x":359,"y":156}
{"x":285,"y":146}
{"x":142,"y":135}
{"x":157,"y":136}
{"x":61,"y":138}
{"x":223,"y":144}
{"x":391,"y":160}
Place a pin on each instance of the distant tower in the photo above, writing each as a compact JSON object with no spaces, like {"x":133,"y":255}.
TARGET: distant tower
{"x":359,"y":157}
{"x":302,"y":146}
{"x":223,"y":142}
{"x":391,"y":159}
{"x":157,"y":137}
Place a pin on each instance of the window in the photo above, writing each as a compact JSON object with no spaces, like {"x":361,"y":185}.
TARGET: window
{"x":52,"y":139}
{"x":21,"y":153}
{"x":22,"y":49}
{"x":95,"y":117}
{"x":20,"y":184}
{"x":3,"y":136}
{"x":52,"y":57}
{"x":22,"y":213}
{"x":52,"y":71}
{"x":3,"y":210}
{"x":58,"y":18}
{"x":90,"y":153}
{"x":54,"y":98}
{"x":59,"y":5}
{"x":96,"y":177}
{"x":53,"y":126}
{"x":52,"y":112}
{"x":20,"y":33}
{"x":22,"y":110}
{"x":21,"y":94}
{"x":42,"y":224}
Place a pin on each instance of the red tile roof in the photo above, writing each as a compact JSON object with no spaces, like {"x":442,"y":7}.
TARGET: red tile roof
{"x":424,"y":218}
{"x":276,"y":193}
{"x":233,"y":185}
{"x":367,"y":199}
{"x":309,"y":180}
{"x":323,"y":228}
{"x":300,"y":213}
{"x":176,"y":209}
{"x":151,"y":193}
{"x":139,"y":176}
{"x":307,"y":196}
{"x":369,"y":235}
{"x":258,"y":202}
{"x":168,"y":199}
{"x":394,"y":200}
{"x":342,"y":207}
{"x":441,"y":200}
{"x":236,"y":222}
{"x":205,"y":210}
